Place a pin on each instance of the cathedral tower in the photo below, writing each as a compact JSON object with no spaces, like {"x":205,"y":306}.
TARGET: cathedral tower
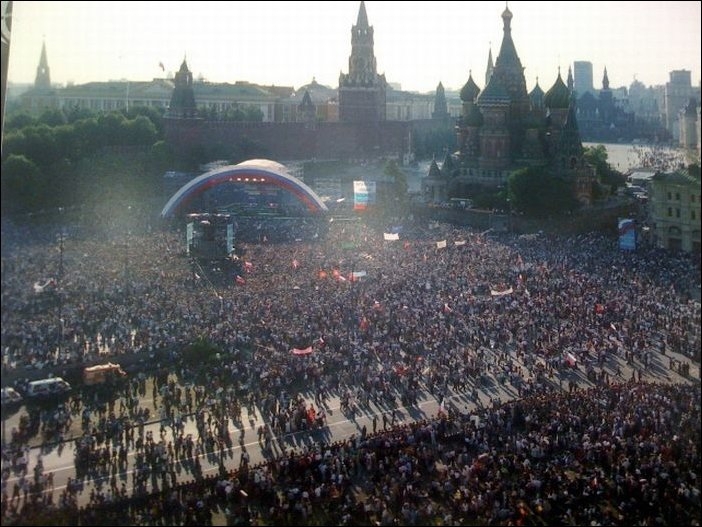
{"x":362,"y":90}
{"x":43,"y":79}
{"x":183,"y":98}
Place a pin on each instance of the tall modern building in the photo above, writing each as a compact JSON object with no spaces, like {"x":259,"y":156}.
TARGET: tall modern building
{"x":582,"y":70}
{"x":362,"y":91}
{"x":677,"y":94}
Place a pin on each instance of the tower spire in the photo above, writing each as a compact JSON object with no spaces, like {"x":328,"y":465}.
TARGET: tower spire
{"x":605,"y":80}
{"x":507,"y":18}
{"x":570,"y":81}
{"x":490,"y":66}
{"x":362,"y":83}
{"x":362,"y":20}
{"x":43,"y":78}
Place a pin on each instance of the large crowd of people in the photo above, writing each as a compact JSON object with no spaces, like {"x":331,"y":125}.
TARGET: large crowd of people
{"x":351,"y":314}
{"x":627,"y":454}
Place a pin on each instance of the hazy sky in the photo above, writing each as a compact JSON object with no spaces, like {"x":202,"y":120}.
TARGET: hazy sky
{"x":417,"y":44}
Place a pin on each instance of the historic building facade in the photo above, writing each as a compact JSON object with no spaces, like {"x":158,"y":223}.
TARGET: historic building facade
{"x":361,"y":131}
{"x":675,"y":210}
{"x":503,"y":127}
{"x":362,"y":90}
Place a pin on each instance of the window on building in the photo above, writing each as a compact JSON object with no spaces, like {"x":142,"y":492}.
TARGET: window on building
{"x":670,"y":212}
{"x":670,"y":195}
{"x":677,"y":213}
{"x":693,"y":216}
{"x":677,"y":196}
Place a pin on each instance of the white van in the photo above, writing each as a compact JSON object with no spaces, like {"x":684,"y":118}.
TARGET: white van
{"x":10,"y":396}
{"x":47,"y":387}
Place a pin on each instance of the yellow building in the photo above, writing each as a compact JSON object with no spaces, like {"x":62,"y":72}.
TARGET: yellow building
{"x":675,"y":210}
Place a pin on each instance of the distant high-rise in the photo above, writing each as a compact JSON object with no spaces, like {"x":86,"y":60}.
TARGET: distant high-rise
{"x":582,"y":70}
{"x":677,"y":94}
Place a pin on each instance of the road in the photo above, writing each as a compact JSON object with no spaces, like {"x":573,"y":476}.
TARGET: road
{"x":59,"y":457}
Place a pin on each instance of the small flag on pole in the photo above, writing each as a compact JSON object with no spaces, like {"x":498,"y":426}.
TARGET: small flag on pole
{"x":160,"y":65}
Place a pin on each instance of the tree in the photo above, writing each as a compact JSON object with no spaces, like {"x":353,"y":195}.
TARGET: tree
{"x":537,"y":193}
{"x":140,"y":131}
{"x":597,"y":156}
{"x":22,"y":185}
{"x":155,"y":115}
{"x":111,"y":128}
{"x":398,"y":190}
{"x":52,"y":117}
{"x":18,"y":121}
{"x":77,"y":113}
{"x":39,"y":145}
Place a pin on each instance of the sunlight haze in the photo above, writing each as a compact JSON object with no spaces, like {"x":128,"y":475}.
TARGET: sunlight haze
{"x":417,"y":44}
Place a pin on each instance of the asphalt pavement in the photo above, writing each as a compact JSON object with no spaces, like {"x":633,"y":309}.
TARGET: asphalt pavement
{"x":58,"y":457}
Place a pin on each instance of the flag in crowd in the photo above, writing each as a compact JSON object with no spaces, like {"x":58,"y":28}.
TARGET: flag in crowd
{"x":501,"y":292}
{"x":46,"y":286}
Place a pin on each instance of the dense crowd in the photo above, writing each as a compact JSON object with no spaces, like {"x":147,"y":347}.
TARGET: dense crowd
{"x":142,"y":295}
{"x":372,"y":321}
{"x":625,"y":455}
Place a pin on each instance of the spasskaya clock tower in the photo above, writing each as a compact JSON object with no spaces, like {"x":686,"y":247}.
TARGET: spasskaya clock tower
{"x":362,"y":90}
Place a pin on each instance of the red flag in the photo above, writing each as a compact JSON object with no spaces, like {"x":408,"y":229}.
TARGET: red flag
{"x":240,"y":280}
{"x":248,"y":267}
{"x":364,"y":324}
{"x":295,"y":263}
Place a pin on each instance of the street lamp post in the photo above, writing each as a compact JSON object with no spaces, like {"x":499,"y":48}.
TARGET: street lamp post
{"x":509,"y":215}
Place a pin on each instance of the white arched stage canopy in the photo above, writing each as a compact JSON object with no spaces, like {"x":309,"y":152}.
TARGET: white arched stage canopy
{"x":253,"y":171}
